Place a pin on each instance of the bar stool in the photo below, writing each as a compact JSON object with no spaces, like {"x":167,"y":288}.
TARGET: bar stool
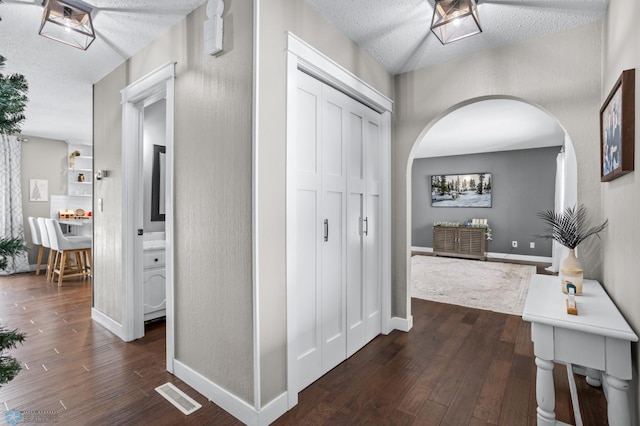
{"x":44,"y":238}
{"x":80,"y":247}
{"x":36,"y":240}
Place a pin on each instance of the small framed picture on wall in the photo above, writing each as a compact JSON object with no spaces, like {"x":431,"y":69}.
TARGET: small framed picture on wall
{"x":38,"y":190}
{"x":617,"y":129}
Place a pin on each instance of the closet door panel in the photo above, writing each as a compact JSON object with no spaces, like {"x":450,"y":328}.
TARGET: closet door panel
{"x":332,"y":140}
{"x":308,"y":340}
{"x":337,"y":249}
{"x":356,"y":324}
{"x":355,"y":261}
{"x":355,"y":157}
{"x":308,"y":132}
{"x":333,"y":300}
{"x":372,"y":298}
{"x":333,"y":254}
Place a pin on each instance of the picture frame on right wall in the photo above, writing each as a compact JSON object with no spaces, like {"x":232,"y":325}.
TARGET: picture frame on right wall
{"x":617,"y":129}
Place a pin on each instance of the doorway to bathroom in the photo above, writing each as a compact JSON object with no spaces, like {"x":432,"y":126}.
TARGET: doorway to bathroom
{"x":147,"y":204}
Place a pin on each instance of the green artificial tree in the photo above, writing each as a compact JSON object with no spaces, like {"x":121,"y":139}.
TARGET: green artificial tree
{"x":10,"y":247}
{"x":9,"y":366}
{"x":13,"y":100}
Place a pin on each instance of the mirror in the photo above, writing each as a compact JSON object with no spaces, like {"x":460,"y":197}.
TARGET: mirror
{"x":158,"y":184}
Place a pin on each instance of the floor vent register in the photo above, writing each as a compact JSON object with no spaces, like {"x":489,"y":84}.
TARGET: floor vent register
{"x":179,"y":399}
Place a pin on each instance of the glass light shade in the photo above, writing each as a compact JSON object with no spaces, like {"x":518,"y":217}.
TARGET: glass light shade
{"x":455,"y":19}
{"x":68,"y":22}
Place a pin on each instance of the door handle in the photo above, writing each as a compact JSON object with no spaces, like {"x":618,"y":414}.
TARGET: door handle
{"x":326,"y":229}
{"x":366,"y":226}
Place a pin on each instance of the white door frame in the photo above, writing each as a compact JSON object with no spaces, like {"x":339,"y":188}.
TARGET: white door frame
{"x":148,"y":89}
{"x":301,"y":56}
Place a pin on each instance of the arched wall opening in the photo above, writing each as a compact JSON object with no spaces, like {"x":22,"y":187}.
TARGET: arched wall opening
{"x":565,"y":183}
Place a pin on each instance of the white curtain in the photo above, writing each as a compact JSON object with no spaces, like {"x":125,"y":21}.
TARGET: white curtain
{"x":11,"y":222}
{"x":559,"y":252}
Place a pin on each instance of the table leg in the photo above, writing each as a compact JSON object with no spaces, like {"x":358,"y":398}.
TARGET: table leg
{"x":545,"y":393}
{"x":618,"y":402}
{"x":593,"y":377}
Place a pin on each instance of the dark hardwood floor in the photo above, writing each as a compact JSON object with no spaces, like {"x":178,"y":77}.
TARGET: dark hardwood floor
{"x":82,"y":372}
{"x":457,"y":366}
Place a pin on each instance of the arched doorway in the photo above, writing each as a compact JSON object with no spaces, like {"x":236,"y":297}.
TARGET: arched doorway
{"x":501,"y":123}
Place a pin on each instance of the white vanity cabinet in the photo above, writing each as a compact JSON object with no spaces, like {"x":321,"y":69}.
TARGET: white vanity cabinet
{"x":154,"y":280}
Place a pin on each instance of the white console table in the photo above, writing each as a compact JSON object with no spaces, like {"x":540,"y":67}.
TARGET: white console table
{"x":598,"y":338}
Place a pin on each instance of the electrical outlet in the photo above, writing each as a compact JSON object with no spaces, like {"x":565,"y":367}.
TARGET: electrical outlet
{"x":514,"y":244}
{"x":532,"y":245}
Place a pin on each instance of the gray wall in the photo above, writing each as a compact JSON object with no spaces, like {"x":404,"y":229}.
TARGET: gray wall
{"x":212,"y":194}
{"x":107,"y":224}
{"x":621,"y":197}
{"x":558,"y":72}
{"x":41,"y":159}
{"x":523,"y":183}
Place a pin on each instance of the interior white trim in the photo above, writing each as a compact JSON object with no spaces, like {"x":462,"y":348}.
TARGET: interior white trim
{"x":315,"y":63}
{"x":385,"y":152}
{"x":220,"y":396}
{"x":229,"y":402}
{"x":257,"y":386}
{"x":274,"y":409}
{"x":158,"y":83}
{"x":422,"y":249}
{"x":107,"y":322}
{"x":402,"y":324}
{"x":523,"y":257}
{"x":493,"y":255}
{"x":169,"y":224}
{"x":300,"y":55}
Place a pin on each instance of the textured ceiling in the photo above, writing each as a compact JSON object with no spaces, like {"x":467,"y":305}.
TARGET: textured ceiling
{"x":488,"y":126}
{"x":61,"y":77}
{"x":396,"y":32}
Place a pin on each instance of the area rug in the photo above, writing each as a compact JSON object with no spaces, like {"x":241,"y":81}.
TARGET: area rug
{"x":493,"y":286}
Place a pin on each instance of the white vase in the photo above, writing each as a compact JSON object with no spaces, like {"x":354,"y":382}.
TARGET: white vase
{"x":571,"y":272}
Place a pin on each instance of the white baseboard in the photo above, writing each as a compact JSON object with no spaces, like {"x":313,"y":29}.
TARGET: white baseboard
{"x":491,"y":255}
{"x":108,"y":323}
{"x":524,"y":257}
{"x":422,"y":249}
{"x":402,"y":324}
{"x":274,"y":409}
{"x":229,"y":402}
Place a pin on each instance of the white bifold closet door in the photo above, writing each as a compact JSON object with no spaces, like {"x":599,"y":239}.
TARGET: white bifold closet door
{"x":338,"y":252}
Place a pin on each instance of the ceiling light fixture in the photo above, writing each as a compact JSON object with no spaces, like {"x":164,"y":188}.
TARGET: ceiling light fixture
{"x":68,"y":22}
{"x":455,"y":19}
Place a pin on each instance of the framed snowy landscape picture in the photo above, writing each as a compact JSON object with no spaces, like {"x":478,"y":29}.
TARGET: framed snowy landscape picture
{"x":469,"y":190}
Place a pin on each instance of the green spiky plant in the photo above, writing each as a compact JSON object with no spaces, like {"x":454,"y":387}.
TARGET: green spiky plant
{"x":9,"y":366}
{"x":570,"y":227}
{"x":13,"y":100}
{"x":10,"y":247}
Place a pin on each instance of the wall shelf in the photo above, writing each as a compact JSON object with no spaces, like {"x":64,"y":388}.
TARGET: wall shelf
{"x":82,"y":165}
